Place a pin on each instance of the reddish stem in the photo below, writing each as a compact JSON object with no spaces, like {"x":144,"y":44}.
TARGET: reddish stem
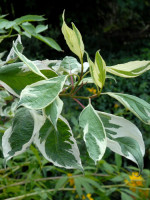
{"x":72,"y":80}
{"x":79,"y":103}
{"x":78,"y":88}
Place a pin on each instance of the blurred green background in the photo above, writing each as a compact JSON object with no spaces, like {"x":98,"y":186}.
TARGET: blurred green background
{"x":120,"y":29}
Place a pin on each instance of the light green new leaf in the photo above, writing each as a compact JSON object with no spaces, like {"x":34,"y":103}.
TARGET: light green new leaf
{"x":58,"y":147}
{"x":137,"y":106}
{"x":19,"y":136}
{"x":28,"y":62}
{"x":97,"y":70}
{"x":130,"y":69}
{"x":100,"y":69}
{"x":12,"y":57}
{"x":42,"y":93}
{"x":16,"y":76}
{"x":53,"y":111}
{"x":94,"y":133}
{"x":124,"y":138}
{"x":73,"y":39}
{"x":29,"y":18}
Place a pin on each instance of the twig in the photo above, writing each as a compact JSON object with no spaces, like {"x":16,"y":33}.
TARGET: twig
{"x":47,"y":179}
{"x":79,"y":103}
{"x":42,"y":191}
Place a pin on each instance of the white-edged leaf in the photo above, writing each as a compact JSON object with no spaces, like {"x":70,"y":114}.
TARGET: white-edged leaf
{"x":15,"y":77}
{"x":130,"y":69}
{"x":94,"y":133}
{"x":97,"y":70}
{"x":137,"y":106}
{"x":73,"y":39}
{"x":28,"y":62}
{"x":90,"y":79}
{"x":58,"y":147}
{"x":12,"y":57}
{"x":70,"y":65}
{"x":100,"y":69}
{"x":53,"y":111}
{"x":42,"y":93}
{"x":19,"y":136}
{"x":124,"y":138}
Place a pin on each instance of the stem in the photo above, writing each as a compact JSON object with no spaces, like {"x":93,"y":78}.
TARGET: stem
{"x":47,"y":179}
{"x":71,"y":78}
{"x":42,"y":191}
{"x":85,"y":74}
{"x":79,"y":103}
{"x":70,"y":189}
{"x":81,"y":76}
{"x":76,"y":97}
{"x":78,"y":88}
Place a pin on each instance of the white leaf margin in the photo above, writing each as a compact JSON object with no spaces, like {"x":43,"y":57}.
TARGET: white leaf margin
{"x":126,"y":127}
{"x":74,"y":151}
{"x":38,"y":122}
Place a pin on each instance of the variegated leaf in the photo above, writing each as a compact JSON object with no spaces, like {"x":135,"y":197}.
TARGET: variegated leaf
{"x":137,"y":106}
{"x":16,"y":76}
{"x":130,"y":69}
{"x":124,"y":138}
{"x":28,"y":62}
{"x":53,"y":111}
{"x":100,"y":69}
{"x":94,"y":133}
{"x":73,"y":39}
{"x":58,"y":147}
{"x":12,"y":56}
{"x":90,"y":79}
{"x":97,"y":70}
{"x":19,"y":136}
{"x":42,"y":93}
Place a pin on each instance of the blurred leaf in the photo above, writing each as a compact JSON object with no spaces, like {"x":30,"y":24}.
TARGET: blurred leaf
{"x":28,"y":18}
{"x":41,"y":28}
{"x":125,"y":196}
{"x":60,"y":183}
{"x":49,"y":41}
{"x":118,"y":160}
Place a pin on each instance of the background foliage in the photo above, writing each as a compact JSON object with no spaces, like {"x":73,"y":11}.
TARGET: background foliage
{"x":121,"y":30}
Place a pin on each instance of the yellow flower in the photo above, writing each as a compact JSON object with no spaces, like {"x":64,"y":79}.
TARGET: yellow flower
{"x":83,"y":197}
{"x":137,"y":181}
{"x":89,"y":196}
{"x":92,"y":90}
{"x":71,"y":180}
